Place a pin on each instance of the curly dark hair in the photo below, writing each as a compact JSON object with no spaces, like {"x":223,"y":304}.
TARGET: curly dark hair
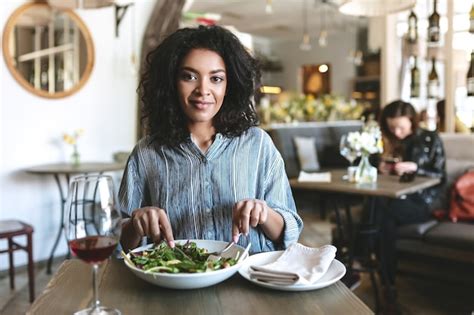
{"x":162,"y":114}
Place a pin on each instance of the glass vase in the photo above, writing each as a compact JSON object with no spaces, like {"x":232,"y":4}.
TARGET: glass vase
{"x":75,"y":157}
{"x":365,"y":172}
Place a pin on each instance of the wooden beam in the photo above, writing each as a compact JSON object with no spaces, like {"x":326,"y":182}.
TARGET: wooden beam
{"x":449,"y":76}
{"x":390,"y":90}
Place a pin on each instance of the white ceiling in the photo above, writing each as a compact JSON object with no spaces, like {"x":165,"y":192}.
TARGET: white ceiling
{"x":286,"y":21}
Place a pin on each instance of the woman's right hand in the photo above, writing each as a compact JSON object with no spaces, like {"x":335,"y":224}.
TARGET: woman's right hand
{"x":152,"y":222}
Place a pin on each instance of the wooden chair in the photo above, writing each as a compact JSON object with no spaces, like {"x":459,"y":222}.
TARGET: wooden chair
{"x":13,"y":228}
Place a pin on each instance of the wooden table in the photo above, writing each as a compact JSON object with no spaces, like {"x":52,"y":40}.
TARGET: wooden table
{"x":62,"y":173}
{"x":71,"y":289}
{"x":386,"y":185}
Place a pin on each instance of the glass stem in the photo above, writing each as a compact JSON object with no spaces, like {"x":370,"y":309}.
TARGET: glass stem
{"x":95,"y":284}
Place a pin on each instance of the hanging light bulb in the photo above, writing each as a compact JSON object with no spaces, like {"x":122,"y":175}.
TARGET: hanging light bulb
{"x":375,"y":7}
{"x":305,"y":44}
{"x":268,"y":7}
{"x":323,"y":68}
{"x":323,"y":34}
{"x":323,"y":38}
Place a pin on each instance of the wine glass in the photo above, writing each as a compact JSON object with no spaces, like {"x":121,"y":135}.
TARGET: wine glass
{"x":93,"y":226}
{"x":346,"y":150}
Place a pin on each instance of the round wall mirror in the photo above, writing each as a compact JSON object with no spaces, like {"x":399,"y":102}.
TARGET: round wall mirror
{"x":48,"y":51}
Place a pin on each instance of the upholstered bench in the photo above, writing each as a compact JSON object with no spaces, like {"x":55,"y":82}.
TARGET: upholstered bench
{"x":444,"y":239}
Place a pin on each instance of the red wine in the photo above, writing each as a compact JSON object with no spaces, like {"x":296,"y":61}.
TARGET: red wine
{"x":93,"y":249}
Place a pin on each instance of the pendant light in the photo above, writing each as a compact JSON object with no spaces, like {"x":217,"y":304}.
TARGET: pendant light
{"x":269,"y":7}
{"x":375,"y":7}
{"x":306,"y":42}
{"x":323,"y":34}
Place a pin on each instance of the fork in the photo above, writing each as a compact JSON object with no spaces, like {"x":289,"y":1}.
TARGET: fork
{"x":245,"y":253}
{"x":214,"y":256}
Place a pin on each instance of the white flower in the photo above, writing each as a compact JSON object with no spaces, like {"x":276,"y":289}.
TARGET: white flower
{"x":369,"y":141}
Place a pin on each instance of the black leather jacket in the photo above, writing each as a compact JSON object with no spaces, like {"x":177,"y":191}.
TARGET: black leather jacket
{"x":425,"y":148}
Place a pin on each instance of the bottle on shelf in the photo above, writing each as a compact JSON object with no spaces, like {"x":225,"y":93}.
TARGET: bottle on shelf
{"x":412,"y":28}
{"x":433,"y":81}
{"x":414,"y":79}
{"x":433,"y":25}
{"x":471,"y":19}
{"x":470,"y":77}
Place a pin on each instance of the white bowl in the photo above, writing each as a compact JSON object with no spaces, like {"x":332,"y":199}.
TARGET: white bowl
{"x":191,"y":280}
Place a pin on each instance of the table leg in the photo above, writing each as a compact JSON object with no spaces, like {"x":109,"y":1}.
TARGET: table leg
{"x":367,"y":234}
{"x":350,"y":232}
{"x":31,"y":267}
{"x":389,"y":288}
{"x":339,"y":225}
{"x":345,"y":230}
{"x":61,"y":223}
{"x":11,"y":268}
{"x":322,"y":207}
{"x":379,"y":258}
{"x":373,"y":259}
{"x":375,"y":287}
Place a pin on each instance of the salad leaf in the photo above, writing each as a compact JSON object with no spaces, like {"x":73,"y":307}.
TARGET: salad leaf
{"x":184,"y":258}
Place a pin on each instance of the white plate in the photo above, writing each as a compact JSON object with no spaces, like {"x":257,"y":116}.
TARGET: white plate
{"x":335,"y":272}
{"x":191,"y":280}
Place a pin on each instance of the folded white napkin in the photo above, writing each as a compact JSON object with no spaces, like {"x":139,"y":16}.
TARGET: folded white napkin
{"x":314,"y":177}
{"x":297,"y":265}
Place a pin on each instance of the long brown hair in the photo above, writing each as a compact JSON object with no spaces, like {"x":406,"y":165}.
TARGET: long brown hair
{"x":395,"y":109}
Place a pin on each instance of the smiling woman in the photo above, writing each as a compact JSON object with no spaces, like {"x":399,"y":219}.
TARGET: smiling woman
{"x":202,"y":88}
{"x":205,"y":171}
{"x":49,"y":52}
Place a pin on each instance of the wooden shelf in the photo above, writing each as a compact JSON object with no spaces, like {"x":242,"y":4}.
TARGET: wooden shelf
{"x":367,"y":78}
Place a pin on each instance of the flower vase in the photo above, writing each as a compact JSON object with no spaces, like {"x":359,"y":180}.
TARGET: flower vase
{"x":75,"y":157}
{"x":365,"y":173}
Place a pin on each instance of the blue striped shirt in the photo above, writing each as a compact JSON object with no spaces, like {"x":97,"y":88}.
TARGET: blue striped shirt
{"x":198,"y":190}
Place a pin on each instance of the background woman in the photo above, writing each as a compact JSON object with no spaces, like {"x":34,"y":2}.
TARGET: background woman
{"x":419,"y":151}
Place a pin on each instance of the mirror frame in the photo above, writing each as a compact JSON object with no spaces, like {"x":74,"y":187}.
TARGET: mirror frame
{"x":17,"y":75}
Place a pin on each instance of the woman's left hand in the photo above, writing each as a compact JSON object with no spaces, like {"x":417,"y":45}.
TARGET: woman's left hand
{"x":246,"y":213}
{"x":405,"y":167}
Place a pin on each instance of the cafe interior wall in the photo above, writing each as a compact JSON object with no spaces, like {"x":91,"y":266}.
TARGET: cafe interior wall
{"x":336,"y":54}
{"x":31,"y":127}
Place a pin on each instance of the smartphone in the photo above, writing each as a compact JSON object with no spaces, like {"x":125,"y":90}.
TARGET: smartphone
{"x":390,"y":162}
{"x":407,"y":177}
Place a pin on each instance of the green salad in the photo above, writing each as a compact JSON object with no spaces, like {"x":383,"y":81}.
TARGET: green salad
{"x":186,"y":258}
